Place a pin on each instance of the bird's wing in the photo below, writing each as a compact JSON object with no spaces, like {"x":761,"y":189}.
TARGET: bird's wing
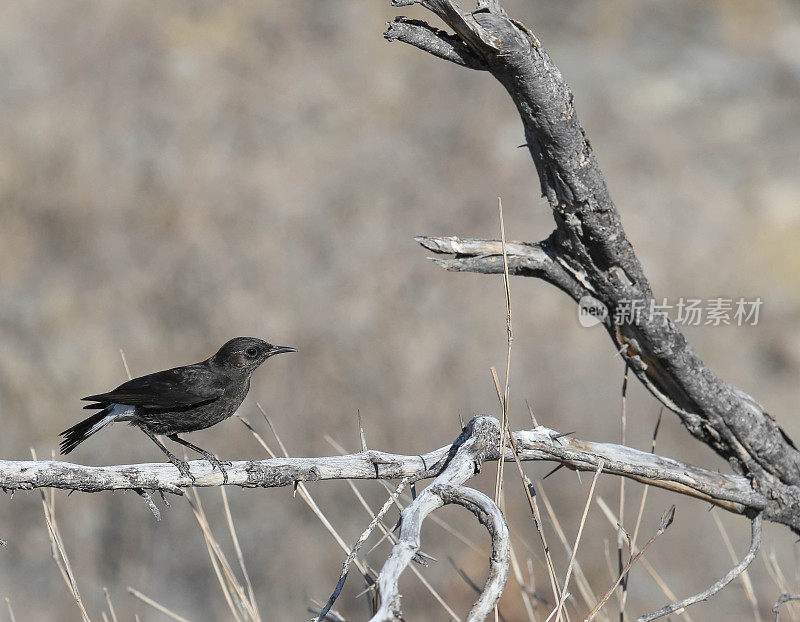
{"x":180,"y":387}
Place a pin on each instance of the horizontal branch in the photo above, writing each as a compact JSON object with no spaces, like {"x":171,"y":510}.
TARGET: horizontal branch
{"x":732,"y":492}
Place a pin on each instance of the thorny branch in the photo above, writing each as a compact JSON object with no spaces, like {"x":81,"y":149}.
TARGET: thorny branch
{"x":478,"y":441}
{"x":731,"y":492}
{"x":589,"y":253}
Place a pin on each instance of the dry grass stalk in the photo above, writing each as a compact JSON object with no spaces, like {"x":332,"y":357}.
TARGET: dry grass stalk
{"x":157,"y":606}
{"x":57,"y":548}
{"x":609,"y":514}
{"x":111,"y":611}
{"x":564,"y":593}
{"x":666,"y":521}
{"x":388,"y":534}
{"x":584,"y":588}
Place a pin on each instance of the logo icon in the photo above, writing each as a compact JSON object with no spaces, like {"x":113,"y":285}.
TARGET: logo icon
{"x":591,"y":311}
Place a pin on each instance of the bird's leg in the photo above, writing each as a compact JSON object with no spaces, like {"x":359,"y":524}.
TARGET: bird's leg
{"x":215,"y":462}
{"x":181,"y":465}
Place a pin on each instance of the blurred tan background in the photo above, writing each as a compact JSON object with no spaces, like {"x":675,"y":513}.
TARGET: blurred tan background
{"x":176,"y":174}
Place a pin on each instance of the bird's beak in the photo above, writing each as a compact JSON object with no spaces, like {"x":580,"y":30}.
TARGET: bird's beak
{"x":280,"y":350}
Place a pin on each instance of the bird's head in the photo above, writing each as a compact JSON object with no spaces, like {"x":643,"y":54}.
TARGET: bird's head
{"x":242,"y":355}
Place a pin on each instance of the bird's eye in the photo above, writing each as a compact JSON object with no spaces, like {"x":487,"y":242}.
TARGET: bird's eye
{"x":252,"y":352}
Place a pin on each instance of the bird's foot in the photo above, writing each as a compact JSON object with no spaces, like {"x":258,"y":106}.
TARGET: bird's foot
{"x":183,"y":467}
{"x":216,"y":463}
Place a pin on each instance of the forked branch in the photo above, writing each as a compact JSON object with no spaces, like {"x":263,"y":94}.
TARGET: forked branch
{"x":589,"y":252}
{"x":480,"y":436}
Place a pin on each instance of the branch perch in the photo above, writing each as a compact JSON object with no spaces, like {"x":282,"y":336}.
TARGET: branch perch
{"x":731,"y":492}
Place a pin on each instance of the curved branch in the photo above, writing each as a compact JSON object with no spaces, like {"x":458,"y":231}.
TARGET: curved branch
{"x":590,"y":243}
{"x":755,"y":544}
{"x":446,"y":489}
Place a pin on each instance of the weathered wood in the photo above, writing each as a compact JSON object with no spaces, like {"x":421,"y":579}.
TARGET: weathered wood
{"x":478,"y":441}
{"x":732,"y":492}
{"x":589,"y":252}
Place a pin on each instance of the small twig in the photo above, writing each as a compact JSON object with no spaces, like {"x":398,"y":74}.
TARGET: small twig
{"x":745,"y":576}
{"x":659,"y":581}
{"x":149,"y":501}
{"x":466,"y":455}
{"x":331,"y":616}
{"x":388,"y":535}
{"x":155,"y":605}
{"x":666,"y":521}
{"x":776,"y":608}
{"x":755,"y":543}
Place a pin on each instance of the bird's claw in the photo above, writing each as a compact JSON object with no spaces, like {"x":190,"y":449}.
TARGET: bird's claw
{"x":183,"y":467}
{"x":216,"y":463}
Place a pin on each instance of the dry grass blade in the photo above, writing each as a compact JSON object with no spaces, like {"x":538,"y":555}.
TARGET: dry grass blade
{"x":301,"y":488}
{"x":215,"y":565}
{"x":526,"y":599}
{"x":527,"y":486}
{"x":646,"y":487}
{"x":557,"y":610}
{"x":235,"y":594}
{"x":388,"y":534}
{"x":509,"y":341}
{"x":305,"y":495}
{"x":58,"y":553}
{"x":584,"y":588}
{"x":666,"y":521}
{"x":111,"y":611}
{"x":240,"y":558}
{"x":157,"y":606}
{"x":357,"y":546}
{"x":10,"y":610}
{"x":609,"y":514}
{"x":623,"y":434}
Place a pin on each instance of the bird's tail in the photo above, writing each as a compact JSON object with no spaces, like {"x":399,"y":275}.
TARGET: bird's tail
{"x":78,"y":433}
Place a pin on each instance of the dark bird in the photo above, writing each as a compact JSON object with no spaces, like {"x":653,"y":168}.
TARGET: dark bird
{"x":179,"y":400}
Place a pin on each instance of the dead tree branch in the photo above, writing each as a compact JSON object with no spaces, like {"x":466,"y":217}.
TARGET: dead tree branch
{"x":481,"y":440}
{"x":755,"y":544}
{"x":731,"y":492}
{"x":589,"y":252}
